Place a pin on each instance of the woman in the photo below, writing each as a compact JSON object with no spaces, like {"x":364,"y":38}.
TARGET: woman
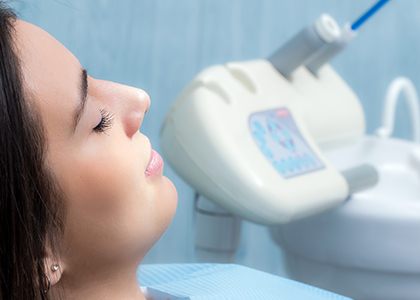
{"x":82,"y":195}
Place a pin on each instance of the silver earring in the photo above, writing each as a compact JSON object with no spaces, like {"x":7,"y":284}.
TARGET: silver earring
{"x":55,"y":267}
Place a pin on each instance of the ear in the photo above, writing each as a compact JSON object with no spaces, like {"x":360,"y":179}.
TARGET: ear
{"x":53,"y":269}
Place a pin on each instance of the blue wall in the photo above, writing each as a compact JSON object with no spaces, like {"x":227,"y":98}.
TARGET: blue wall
{"x":159,"y":45}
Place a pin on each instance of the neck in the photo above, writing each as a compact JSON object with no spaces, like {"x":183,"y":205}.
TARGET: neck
{"x":99,"y":284}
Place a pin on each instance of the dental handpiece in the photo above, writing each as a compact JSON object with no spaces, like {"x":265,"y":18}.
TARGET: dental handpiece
{"x":303,"y":45}
{"x":328,"y":52}
{"x":318,"y":43}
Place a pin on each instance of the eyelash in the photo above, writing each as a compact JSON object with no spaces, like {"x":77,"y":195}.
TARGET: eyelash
{"x":105,"y":123}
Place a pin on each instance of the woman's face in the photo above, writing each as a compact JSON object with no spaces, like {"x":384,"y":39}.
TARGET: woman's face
{"x":117,"y":203}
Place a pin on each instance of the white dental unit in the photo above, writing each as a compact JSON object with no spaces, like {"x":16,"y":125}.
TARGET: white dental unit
{"x":274,"y":142}
{"x":247,"y":137}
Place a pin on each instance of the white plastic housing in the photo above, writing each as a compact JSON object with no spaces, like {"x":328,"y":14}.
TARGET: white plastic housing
{"x":207,"y":140}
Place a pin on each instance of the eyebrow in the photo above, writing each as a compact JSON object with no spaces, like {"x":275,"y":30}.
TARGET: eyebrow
{"x":83,"y":86}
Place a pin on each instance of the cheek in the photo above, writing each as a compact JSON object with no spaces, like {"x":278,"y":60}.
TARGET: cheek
{"x":95,"y":184}
{"x":112,"y":204}
{"x":107,"y":180}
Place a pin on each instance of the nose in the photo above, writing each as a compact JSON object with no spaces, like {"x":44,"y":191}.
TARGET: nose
{"x":136,"y":103}
{"x":128,"y":103}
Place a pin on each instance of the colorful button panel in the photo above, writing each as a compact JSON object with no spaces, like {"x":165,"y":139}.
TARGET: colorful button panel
{"x":281,"y":142}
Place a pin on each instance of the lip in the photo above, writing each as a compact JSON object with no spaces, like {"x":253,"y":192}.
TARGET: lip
{"x":155,"y":166}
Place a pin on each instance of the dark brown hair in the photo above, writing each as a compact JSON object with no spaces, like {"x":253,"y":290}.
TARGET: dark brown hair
{"x":30,"y":212}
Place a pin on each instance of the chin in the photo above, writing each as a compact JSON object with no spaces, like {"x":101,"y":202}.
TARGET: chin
{"x":166,"y":201}
{"x":169,"y":199}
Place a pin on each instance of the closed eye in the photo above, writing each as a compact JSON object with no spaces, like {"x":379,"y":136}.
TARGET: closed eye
{"x":105,"y":123}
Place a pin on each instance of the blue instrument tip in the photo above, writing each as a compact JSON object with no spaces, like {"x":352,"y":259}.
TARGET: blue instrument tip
{"x":363,"y":18}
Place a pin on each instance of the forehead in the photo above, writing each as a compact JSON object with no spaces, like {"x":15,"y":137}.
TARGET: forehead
{"x":51,"y":74}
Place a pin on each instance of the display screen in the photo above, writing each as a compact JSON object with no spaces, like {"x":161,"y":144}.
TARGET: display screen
{"x":281,"y":142}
